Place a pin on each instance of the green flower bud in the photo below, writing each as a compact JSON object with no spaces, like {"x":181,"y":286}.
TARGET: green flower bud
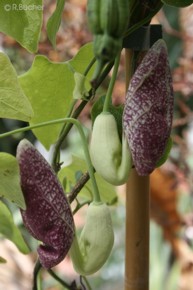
{"x":111,"y":159}
{"x":92,"y":249}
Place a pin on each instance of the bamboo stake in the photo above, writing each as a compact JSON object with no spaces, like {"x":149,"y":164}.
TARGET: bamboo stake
{"x":137,"y":221}
{"x":137,"y":233}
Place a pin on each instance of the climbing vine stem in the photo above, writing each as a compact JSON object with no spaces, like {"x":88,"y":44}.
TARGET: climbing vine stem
{"x":86,"y":282}
{"x":57,"y":278}
{"x":36,"y":273}
{"x":65,"y":130}
{"x":67,"y":127}
{"x":111,"y":84}
{"x":96,"y":195}
{"x":89,"y":66}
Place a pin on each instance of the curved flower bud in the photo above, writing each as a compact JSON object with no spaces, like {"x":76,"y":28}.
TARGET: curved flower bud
{"x":92,"y":249}
{"x":111,"y":159}
{"x":48,"y":215}
{"x":148,"y":112}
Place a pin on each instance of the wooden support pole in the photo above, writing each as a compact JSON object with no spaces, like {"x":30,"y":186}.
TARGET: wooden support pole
{"x":137,"y":220}
{"x":137,"y":233}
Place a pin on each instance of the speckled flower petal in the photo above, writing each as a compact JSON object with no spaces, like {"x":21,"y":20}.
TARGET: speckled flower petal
{"x":148,"y":112}
{"x":48,"y":215}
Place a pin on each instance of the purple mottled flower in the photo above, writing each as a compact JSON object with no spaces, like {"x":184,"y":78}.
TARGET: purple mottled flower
{"x":48,"y":215}
{"x":148,"y":112}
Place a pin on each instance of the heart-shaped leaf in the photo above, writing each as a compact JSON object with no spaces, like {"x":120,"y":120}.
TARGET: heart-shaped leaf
{"x":13,"y":103}
{"x":22,"y":20}
{"x":10,"y":181}
{"x":9,"y":230}
{"x":49,"y":87}
{"x":54,"y":21}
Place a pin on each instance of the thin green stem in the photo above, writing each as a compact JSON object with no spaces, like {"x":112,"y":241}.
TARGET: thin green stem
{"x":96,"y":195}
{"x":144,"y":20}
{"x":27,"y":128}
{"x":80,"y":205}
{"x":65,"y":130}
{"x":37,"y":269}
{"x":86,"y":282}
{"x":78,"y":186}
{"x":111,"y":84}
{"x":75,"y":115}
{"x":69,"y":114}
{"x":58,"y":279}
{"x":89,"y":66}
{"x":56,"y":154}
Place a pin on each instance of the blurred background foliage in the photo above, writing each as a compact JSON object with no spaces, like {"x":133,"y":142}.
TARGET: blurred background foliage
{"x":171,"y":250}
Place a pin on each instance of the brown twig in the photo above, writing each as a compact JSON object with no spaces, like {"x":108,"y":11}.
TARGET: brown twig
{"x":67,"y":127}
{"x":78,"y":186}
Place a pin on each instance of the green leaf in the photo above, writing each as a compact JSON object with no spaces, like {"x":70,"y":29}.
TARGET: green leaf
{"x":9,"y":230}
{"x":10,"y":180}
{"x":22,"y":20}
{"x":79,"y":91}
{"x":49,"y":87}
{"x":164,"y":157}
{"x":81,"y":60}
{"x":116,"y":111}
{"x":107,"y":191}
{"x":54,"y":21}
{"x":13,"y":103}
{"x":178,"y":3}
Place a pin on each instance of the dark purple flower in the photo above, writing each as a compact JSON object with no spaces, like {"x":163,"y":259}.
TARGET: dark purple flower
{"x":148,"y":112}
{"x":48,"y":215}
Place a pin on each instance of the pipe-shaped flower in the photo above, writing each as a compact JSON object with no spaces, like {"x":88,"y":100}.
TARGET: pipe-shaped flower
{"x":91,"y":250}
{"x":148,"y":112}
{"x":110,"y":157}
{"x":48,"y":215}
